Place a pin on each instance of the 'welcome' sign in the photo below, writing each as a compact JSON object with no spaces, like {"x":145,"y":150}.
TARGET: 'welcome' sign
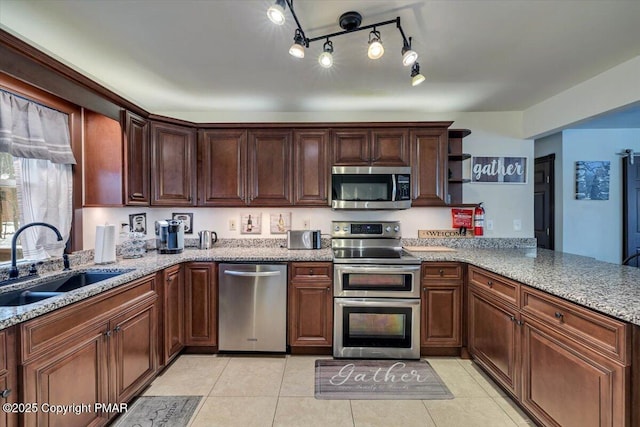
{"x":507,"y":170}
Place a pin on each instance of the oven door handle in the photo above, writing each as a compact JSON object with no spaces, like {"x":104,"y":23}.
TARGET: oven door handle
{"x":374,"y":269}
{"x":377,"y":302}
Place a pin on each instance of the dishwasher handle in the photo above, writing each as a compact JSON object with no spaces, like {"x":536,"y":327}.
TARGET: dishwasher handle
{"x":251,"y":273}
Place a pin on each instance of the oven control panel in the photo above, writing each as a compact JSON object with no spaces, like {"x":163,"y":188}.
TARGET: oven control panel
{"x":361,"y":229}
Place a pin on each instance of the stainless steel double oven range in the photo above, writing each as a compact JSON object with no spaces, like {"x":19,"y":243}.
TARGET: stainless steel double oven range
{"x":376,"y":292}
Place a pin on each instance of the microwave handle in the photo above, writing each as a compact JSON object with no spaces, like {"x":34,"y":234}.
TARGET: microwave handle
{"x":394,"y":178}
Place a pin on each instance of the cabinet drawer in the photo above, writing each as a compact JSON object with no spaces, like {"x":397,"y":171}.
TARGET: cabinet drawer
{"x":610,"y":337}
{"x":499,"y":286}
{"x":311,"y":271}
{"x":53,"y":329}
{"x":442,"y":271}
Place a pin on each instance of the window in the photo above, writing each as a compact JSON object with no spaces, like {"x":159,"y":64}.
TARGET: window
{"x":9,"y":213}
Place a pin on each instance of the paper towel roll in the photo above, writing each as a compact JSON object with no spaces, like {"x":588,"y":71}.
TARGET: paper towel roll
{"x":105,"y":250}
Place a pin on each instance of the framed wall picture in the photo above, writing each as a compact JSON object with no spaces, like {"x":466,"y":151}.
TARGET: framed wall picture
{"x":280,"y":223}
{"x":592,"y":180}
{"x":138,"y":223}
{"x":251,"y":223}
{"x":187,"y":219}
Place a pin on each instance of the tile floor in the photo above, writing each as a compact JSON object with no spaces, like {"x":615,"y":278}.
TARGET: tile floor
{"x":254,"y":391}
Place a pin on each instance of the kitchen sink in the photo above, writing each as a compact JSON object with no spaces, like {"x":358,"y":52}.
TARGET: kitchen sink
{"x":55,"y":287}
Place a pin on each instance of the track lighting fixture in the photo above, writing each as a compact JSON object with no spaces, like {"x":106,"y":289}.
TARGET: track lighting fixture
{"x":326,"y":58}
{"x":297,"y":48}
{"x":416,"y":77}
{"x":409,"y":56}
{"x":350,"y":23}
{"x":276,"y":12}
{"x":376,"y":50}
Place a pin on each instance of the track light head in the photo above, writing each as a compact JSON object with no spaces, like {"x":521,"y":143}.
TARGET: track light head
{"x":326,"y":58}
{"x":276,"y":12}
{"x":409,"y":56}
{"x":416,"y":77}
{"x":376,"y":50}
{"x":297,"y":48}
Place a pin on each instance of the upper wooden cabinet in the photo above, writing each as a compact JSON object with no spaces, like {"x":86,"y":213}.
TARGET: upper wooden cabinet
{"x":136,"y":160}
{"x":311,"y":167}
{"x":222,"y":159}
{"x":173,"y":165}
{"x":429,"y":166}
{"x":378,"y":147}
{"x":269,"y":167}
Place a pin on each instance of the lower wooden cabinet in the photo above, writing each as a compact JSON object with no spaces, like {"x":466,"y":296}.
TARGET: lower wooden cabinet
{"x":172,"y":312}
{"x":201,"y":309}
{"x":310,"y":304}
{"x":8,"y":375}
{"x":102,"y":349}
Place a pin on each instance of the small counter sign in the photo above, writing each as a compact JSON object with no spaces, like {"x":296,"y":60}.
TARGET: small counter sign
{"x":504,"y":170}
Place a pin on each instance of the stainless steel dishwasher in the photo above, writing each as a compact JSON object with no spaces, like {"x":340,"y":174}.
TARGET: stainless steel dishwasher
{"x":252,"y":307}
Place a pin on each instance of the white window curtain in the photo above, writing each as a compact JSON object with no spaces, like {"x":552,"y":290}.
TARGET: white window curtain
{"x":38,"y":137}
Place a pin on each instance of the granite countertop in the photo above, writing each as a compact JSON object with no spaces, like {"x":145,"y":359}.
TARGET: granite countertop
{"x":608,"y":288}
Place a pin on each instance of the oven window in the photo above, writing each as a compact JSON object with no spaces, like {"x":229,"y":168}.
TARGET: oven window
{"x":376,"y":282}
{"x":377,"y":327}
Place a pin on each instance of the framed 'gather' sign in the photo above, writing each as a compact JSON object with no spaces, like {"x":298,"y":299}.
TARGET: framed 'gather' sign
{"x":500,"y":170}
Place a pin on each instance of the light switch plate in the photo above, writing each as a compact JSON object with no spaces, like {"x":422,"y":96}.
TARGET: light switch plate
{"x":489,"y":224}
{"x":233,"y":226}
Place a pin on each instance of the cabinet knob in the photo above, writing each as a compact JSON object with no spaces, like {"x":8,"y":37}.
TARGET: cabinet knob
{"x":558,"y":315}
{"x":311,"y":271}
{"x":117,"y":328}
{"x":5,"y":393}
{"x":107,"y":334}
{"x":424,"y":289}
{"x":441,"y":272}
{"x":328,"y":288}
{"x":490,"y":283}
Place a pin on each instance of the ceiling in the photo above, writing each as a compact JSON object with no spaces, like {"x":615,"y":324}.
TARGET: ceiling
{"x":176,"y":57}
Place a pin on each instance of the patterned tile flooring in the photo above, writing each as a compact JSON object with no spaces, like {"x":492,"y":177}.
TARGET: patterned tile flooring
{"x":278,"y":391}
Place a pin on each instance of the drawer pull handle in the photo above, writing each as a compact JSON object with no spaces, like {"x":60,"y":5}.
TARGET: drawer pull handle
{"x":328,"y":289}
{"x":490,"y":283}
{"x":5,"y":393}
{"x":441,"y":272}
{"x":558,"y":315}
{"x":311,"y":272}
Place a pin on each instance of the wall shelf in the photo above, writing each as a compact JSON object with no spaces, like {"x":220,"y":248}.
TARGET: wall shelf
{"x":455,"y":159}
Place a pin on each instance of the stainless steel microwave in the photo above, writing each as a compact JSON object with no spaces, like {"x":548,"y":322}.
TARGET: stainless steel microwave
{"x":370,"y":187}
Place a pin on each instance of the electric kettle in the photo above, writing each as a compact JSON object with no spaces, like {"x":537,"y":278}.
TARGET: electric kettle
{"x":206,"y":239}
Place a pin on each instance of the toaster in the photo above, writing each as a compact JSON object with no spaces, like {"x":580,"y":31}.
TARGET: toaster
{"x":303,"y":239}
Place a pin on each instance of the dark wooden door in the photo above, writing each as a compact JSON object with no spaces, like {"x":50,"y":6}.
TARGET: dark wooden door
{"x":222,"y":178}
{"x":136,"y":160}
{"x":351,"y":147}
{"x":631,"y":209}
{"x":173,"y":314}
{"x":441,"y":317}
{"x":270,"y":166}
{"x":200,"y":295}
{"x":543,"y":201}
{"x":429,"y":172}
{"x":173,"y":171}
{"x":311,"y":167}
{"x":390,"y":147}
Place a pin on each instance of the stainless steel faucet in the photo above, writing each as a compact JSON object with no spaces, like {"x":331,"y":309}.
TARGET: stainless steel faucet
{"x":13,"y":271}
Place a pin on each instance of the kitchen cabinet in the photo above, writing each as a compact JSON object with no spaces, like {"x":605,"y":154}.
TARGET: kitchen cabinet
{"x":200,"y":295}
{"x":455,"y":161}
{"x":429,"y":166}
{"x":311,"y":167}
{"x":102,"y":349}
{"x":376,"y":147}
{"x":310,"y":305}
{"x":441,"y":306}
{"x":136,"y":160}
{"x":173,"y":165}
{"x":269,"y":167}
{"x":8,"y":375}
{"x":173,"y":312}
{"x":102,"y":161}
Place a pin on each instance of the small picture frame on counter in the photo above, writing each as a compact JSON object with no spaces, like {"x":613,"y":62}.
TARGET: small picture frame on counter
{"x":138,"y":223}
{"x":187,"y":220}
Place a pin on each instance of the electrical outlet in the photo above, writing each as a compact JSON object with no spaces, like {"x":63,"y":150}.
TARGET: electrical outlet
{"x":517,"y":224}
{"x":489,"y":224}
{"x":306,"y":224}
{"x":233,"y":226}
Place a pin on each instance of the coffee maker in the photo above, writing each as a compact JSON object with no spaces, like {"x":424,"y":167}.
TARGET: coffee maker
{"x":169,"y":236}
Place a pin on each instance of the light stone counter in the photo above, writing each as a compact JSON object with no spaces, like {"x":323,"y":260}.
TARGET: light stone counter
{"x":608,"y":288}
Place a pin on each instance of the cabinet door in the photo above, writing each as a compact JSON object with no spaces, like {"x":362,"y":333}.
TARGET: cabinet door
{"x":173,"y":170}
{"x":429,"y":173}
{"x":270,"y":167}
{"x":133,"y":350}
{"x":351,"y":147}
{"x":311,"y":305}
{"x":568,"y":385}
{"x":222,"y":179}
{"x":311,"y":168}
{"x":136,"y":160}
{"x":493,"y":338}
{"x":173,"y":315}
{"x":441,"y":315}
{"x":75,"y":374}
{"x":390,"y":147}
{"x":8,"y":375}
{"x":201,"y":291}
